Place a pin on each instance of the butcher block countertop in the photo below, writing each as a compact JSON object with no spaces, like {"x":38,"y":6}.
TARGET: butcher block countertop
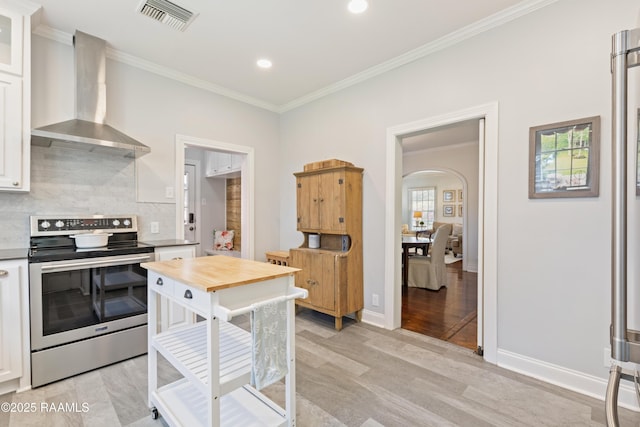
{"x":212,"y":273}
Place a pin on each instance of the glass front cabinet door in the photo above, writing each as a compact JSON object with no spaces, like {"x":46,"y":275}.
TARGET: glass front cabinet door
{"x":10,"y":42}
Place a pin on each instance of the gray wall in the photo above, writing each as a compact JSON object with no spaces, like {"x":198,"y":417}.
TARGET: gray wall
{"x":553,"y":255}
{"x":551,"y":65}
{"x":153,"y":110}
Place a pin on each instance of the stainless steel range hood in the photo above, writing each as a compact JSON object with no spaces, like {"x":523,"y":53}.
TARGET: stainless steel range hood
{"x":88,"y":131}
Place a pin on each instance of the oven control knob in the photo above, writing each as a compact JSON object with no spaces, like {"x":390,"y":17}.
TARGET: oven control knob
{"x":116,"y":222}
{"x":45,"y":224}
{"x":127,"y":222}
{"x":59,"y":224}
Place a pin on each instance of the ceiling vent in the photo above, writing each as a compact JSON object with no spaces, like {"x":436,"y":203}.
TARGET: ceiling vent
{"x":168,"y":13}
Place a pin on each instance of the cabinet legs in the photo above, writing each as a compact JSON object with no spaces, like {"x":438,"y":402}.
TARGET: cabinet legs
{"x":338,"y":323}
{"x":357,"y":315}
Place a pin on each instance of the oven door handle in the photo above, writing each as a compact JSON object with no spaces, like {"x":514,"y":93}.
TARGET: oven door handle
{"x":84,"y":264}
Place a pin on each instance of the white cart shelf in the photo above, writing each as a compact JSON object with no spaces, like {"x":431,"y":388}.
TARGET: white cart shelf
{"x":214,"y":356}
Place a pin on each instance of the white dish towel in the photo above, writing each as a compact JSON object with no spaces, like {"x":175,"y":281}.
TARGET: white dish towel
{"x":269,"y":344}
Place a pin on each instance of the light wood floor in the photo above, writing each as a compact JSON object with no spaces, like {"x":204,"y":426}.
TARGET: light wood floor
{"x":449,"y":314}
{"x":362,"y":376}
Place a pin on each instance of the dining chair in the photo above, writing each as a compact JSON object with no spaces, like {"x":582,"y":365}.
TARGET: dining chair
{"x":430,"y":271}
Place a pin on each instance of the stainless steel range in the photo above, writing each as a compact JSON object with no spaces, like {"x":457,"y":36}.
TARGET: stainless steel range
{"x":88,"y":306}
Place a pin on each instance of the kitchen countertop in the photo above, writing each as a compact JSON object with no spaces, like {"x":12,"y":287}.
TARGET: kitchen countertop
{"x":211,"y":273}
{"x":13,"y":253}
{"x":169,"y":242}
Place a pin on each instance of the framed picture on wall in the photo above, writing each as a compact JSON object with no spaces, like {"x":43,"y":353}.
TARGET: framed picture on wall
{"x":448,"y":210}
{"x":459,"y":196}
{"x":449,"y":196}
{"x":564,"y":159}
{"x":460,"y":210}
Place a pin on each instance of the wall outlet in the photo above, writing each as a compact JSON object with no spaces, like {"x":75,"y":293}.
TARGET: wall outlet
{"x":375,"y":301}
{"x":168,"y":192}
{"x":155,"y":227}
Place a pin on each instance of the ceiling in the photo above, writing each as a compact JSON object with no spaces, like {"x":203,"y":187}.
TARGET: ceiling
{"x":455,"y":134}
{"x":316,"y":46}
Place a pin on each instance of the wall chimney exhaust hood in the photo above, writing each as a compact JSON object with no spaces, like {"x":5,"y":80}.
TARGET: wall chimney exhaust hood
{"x":88,"y":131}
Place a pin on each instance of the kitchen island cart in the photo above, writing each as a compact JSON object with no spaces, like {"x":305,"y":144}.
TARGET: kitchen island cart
{"x":214,"y":356}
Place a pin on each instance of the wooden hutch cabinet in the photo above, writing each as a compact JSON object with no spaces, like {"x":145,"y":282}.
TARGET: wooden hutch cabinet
{"x":329,"y":204}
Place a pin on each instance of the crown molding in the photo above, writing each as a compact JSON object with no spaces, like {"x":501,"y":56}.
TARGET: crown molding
{"x":170,"y":73}
{"x":173,"y":74}
{"x":53,"y":34}
{"x":25,"y":7}
{"x":442,"y":43}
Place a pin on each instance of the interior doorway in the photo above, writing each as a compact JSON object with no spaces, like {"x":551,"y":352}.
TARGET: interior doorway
{"x":487,"y":115}
{"x":245,"y":156}
{"x":437,"y":194}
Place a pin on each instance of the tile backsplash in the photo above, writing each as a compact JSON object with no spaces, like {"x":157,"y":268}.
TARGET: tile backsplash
{"x":77,"y":182}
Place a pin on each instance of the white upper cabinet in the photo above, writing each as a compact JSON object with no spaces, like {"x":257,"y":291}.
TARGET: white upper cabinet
{"x":11,"y":36}
{"x":223,"y":165}
{"x":11,"y":132}
{"x":15,"y":95}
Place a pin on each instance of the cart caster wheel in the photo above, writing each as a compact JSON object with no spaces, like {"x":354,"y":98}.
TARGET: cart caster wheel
{"x":154,"y":413}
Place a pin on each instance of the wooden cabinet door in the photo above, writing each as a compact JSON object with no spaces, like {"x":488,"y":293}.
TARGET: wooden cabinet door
{"x":317,"y":276}
{"x":320,"y":202}
{"x":331,"y":204}
{"x":307,"y":200}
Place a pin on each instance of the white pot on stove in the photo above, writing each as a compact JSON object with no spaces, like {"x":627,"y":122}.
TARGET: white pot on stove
{"x":91,"y":240}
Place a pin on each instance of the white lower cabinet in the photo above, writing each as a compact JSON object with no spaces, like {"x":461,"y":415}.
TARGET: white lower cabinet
{"x":174,"y":315}
{"x":14,"y":326}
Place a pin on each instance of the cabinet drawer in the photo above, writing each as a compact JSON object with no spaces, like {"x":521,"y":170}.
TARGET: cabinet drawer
{"x":160,"y":284}
{"x":193,"y":298}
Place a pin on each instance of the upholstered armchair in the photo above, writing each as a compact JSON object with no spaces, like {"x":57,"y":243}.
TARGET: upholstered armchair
{"x":455,"y":230}
{"x":430,"y":271}
{"x":456,"y":245}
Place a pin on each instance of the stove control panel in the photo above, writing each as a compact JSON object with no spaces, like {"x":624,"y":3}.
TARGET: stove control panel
{"x":45,"y":225}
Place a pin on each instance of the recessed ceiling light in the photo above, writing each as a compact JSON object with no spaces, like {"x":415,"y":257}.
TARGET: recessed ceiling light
{"x":264,"y":63}
{"x":358,"y":6}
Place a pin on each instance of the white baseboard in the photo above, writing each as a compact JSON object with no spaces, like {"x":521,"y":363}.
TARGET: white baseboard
{"x":567,"y":378}
{"x":472,"y":267}
{"x":373,"y":318}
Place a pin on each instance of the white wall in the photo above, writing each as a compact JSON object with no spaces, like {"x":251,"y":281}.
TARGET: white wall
{"x":553,"y":255}
{"x":153,"y":110}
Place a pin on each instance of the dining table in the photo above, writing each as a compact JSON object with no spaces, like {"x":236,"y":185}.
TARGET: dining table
{"x":412,"y":242}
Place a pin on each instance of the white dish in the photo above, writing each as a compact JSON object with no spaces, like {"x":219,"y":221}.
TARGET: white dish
{"x":91,"y":240}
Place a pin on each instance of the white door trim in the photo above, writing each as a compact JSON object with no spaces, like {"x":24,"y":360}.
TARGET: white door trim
{"x":198,"y":200}
{"x":487,"y":218}
{"x":247,"y":205}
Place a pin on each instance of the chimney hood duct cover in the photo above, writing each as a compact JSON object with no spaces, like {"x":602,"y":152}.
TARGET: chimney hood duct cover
{"x":88,"y":130}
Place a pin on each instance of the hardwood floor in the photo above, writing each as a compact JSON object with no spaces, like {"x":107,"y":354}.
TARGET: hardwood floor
{"x":449,"y":314}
